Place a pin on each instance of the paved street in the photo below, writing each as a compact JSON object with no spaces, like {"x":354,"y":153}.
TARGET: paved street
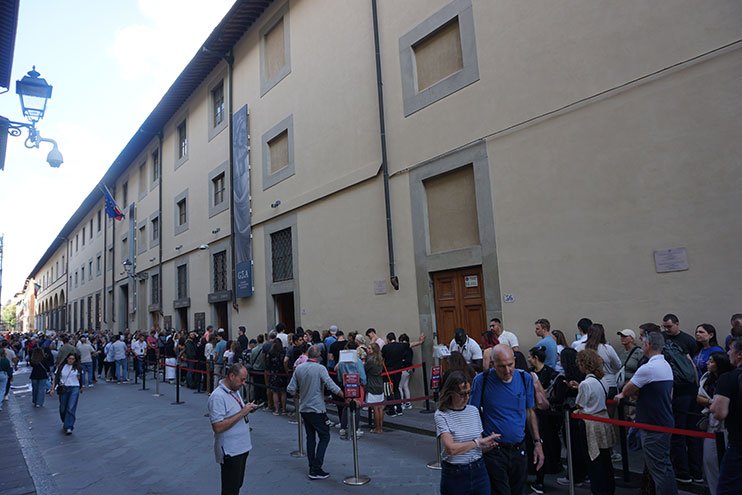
{"x":128,"y":442}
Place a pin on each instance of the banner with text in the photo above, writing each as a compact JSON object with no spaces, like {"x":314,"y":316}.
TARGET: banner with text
{"x":241,"y":191}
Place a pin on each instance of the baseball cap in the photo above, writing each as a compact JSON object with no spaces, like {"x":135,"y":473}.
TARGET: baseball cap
{"x":627,"y":332}
{"x":333,"y":329}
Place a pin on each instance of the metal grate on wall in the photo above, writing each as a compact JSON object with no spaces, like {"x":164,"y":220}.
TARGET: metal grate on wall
{"x":283,"y":267}
{"x":220,"y":271}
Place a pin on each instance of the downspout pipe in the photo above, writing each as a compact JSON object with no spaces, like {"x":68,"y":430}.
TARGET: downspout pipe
{"x":393,"y":279}
{"x":159,"y":233}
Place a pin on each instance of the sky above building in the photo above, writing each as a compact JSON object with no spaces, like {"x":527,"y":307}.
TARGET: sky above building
{"x":109,"y":64}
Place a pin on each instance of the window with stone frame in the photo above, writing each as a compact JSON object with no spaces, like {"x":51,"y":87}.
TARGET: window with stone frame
{"x":281,"y":255}
{"x":220,"y":271}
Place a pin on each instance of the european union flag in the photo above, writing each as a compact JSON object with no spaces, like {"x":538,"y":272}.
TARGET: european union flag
{"x":112,"y":209}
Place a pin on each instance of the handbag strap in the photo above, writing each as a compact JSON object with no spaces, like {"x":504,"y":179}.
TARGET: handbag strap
{"x":629,"y":356}
{"x":386,"y":372}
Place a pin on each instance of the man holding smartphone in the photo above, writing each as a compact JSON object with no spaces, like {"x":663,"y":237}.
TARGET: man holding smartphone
{"x":228,"y":416}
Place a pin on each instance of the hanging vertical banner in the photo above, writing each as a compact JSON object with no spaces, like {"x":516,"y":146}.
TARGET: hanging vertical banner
{"x":242,"y":227}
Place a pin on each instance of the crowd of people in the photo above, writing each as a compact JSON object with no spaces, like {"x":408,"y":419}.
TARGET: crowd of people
{"x":663,"y":377}
{"x":500,"y":416}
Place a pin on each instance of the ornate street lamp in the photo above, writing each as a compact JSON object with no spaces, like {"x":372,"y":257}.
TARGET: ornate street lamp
{"x":33,"y":92}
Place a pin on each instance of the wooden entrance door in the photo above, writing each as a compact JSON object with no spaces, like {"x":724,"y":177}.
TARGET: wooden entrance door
{"x":459,"y":303}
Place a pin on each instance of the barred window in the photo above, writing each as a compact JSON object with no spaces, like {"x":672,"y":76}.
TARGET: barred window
{"x":155,"y":286}
{"x":182,"y":281}
{"x":283,"y":268}
{"x":220,"y":271}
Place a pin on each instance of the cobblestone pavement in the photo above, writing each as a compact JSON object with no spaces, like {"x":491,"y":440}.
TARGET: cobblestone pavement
{"x":126,"y":441}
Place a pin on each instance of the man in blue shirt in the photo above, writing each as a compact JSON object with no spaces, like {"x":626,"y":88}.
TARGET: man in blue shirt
{"x":506,"y":399}
{"x":543,"y":330}
{"x":221,"y":346}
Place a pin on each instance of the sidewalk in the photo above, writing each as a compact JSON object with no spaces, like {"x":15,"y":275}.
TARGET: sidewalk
{"x":128,"y":442}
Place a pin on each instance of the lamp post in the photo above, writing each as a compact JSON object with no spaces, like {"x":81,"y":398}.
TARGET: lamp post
{"x":33,"y":92}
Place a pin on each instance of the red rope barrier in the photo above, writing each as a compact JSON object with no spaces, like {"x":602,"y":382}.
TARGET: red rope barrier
{"x":644,"y":426}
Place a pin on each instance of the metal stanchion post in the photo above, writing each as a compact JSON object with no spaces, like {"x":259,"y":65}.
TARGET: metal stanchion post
{"x":427,"y":409}
{"x":144,"y":374}
{"x":721,"y":447}
{"x":356,"y":479}
{"x":436,"y":464}
{"x":177,"y":384}
{"x":570,"y":471}
{"x":157,"y":380}
{"x":624,"y":446}
{"x":300,"y":452}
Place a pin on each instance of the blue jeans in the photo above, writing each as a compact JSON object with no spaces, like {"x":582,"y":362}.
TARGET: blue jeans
{"x":121,"y":369}
{"x":138,"y":365}
{"x":68,"y":407}
{"x":465,"y":479}
{"x":314,"y":423}
{"x":87,"y":370}
{"x":3,"y":383}
{"x":730,"y":475}
{"x":39,"y":391}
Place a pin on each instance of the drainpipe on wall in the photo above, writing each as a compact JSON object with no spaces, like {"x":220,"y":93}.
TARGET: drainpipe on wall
{"x":229,"y":58}
{"x":159,"y":228}
{"x":393,"y":279}
{"x":105,"y":262}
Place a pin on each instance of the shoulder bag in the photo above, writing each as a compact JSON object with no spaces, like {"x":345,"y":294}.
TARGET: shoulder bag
{"x":621,"y":375}
{"x":388,"y":385}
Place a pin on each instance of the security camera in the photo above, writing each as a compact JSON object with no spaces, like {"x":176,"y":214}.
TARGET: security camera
{"x":203,"y":246}
{"x":54,"y":158}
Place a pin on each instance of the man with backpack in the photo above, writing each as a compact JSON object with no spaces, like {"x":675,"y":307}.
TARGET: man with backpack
{"x":505,"y":402}
{"x":678,"y":351}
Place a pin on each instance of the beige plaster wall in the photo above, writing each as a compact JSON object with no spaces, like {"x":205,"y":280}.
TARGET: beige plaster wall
{"x":654,"y":168}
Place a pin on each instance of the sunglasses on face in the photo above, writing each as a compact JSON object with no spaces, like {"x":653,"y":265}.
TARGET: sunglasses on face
{"x":464,"y":394}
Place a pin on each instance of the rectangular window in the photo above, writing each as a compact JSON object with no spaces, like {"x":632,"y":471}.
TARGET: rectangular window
{"x":155,"y":287}
{"x":90,"y":270}
{"x":217,"y":101}
{"x":142,"y":239}
{"x":91,"y":228}
{"x":220,"y":271}
{"x":57,"y":269}
{"x":218,"y":184}
{"x":275,"y":53}
{"x":182,"y":281}
{"x":155,"y":228}
{"x":82,"y":275}
{"x":109,"y":261}
{"x":77,"y":242}
{"x":182,"y":212}
{"x":281,"y":255}
{"x":438,"y":55}
{"x":143,"y":179}
{"x":124,"y":249}
{"x":155,"y":165}
{"x":278,"y":148}
{"x":182,"y":140}
{"x":64,"y":269}
{"x":97,"y":265}
{"x":125,"y":194}
{"x":99,"y":220}
{"x":83,"y":236}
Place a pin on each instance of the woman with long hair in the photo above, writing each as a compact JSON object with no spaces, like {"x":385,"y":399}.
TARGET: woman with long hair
{"x":39,"y":375}
{"x":404,"y":381}
{"x":459,"y":427}
{"x":562,"y":344}
{"x":374,"y":367}
{"x":275,"y":364}
{"x":718,"y":363}
{"x":707,"y":345}
{"x":611,"y":362}
{"x":601,"y":437}
{"x":456,"y":362}
{"x":69,"y":377}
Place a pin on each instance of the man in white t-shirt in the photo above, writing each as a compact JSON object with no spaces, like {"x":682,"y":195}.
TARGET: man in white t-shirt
{"x":467,"y":347}
{"x":228,"y":416}
{"x":505,"y":337}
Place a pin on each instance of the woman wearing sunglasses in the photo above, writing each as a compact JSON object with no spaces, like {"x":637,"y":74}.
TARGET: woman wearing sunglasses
{"x":460,"y":429}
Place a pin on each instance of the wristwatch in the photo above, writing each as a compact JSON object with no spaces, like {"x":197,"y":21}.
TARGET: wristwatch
{"x":538,"y":440}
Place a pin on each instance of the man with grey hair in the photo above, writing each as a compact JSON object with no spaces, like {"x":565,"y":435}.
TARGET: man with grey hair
{"x":228,"y":416}
{"x":652,"y":382}
{"x":308,"y":381}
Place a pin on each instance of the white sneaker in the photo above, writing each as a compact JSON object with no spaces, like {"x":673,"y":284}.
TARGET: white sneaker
{"x":343,"y":433}
{"x":339,"y":425}
{"x":90,"y":386}
{"x":359,"y":433}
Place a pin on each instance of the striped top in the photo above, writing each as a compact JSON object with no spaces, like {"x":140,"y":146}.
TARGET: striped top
{"x":464,"y":425}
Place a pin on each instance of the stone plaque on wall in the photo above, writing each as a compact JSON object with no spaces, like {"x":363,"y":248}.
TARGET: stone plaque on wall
{"x":168,"y":322}
{"x":199,"y":321}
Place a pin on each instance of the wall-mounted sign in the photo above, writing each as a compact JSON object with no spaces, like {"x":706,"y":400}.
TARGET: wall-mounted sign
{"x":435,"y":377}
{"x":471,"y":281}
{"x":199,"y":320}
{"x":508,"y":297}
{"x":670,"y":260}
{"x":379,"y":287}
{"x":352,"y":385}
{"x":241,"y":192}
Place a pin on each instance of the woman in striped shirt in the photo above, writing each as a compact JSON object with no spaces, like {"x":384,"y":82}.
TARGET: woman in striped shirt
{"x":459,"y":427}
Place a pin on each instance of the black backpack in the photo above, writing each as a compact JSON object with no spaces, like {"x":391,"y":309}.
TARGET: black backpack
{"x":683,"y":371}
